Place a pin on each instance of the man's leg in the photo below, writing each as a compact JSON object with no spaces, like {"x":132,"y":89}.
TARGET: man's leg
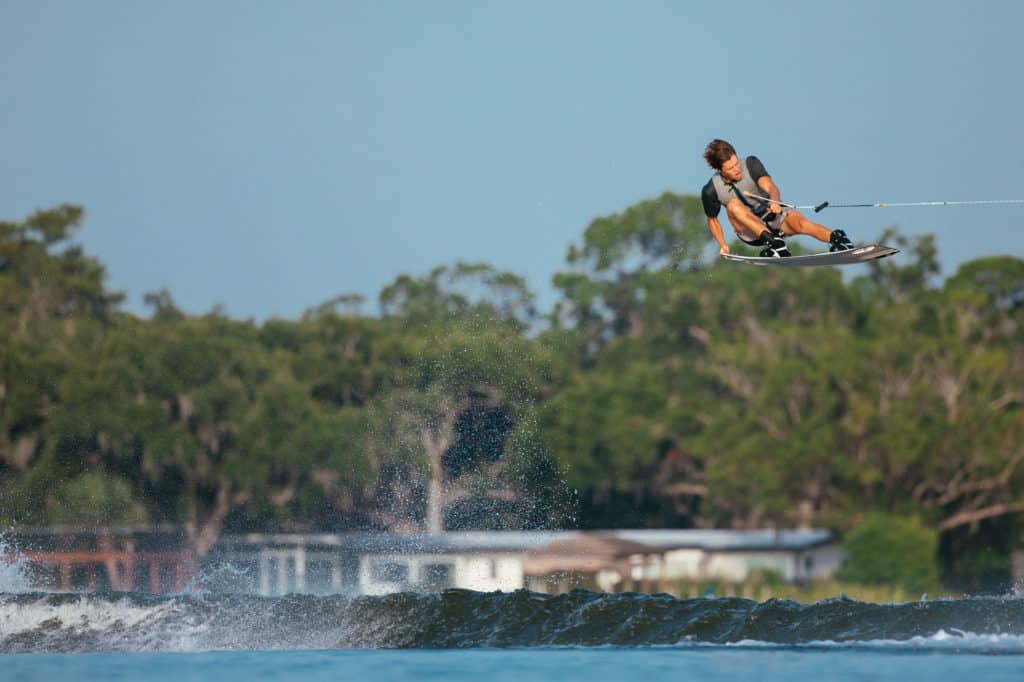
{"x":744,"y":222}
{"x":750,"y":228}
{"x":796,"y":223}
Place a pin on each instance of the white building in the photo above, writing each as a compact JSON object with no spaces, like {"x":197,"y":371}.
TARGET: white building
{"x":483,"y":571}
{"x":374,"y":563}
{"x":472,"y":560}
{"x":735,"y":556}
{"x":273,"y":564}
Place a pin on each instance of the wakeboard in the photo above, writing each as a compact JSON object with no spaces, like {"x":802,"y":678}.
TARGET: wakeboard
{"x":859,"y":254}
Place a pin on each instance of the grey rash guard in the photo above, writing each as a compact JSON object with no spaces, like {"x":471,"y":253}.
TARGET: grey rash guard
{"x":718,"y":192}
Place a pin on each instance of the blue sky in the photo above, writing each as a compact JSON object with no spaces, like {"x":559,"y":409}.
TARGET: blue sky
{"x":267,"y":156}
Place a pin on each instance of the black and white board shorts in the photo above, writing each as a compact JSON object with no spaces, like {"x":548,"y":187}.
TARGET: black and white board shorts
{"x":775,"y":225}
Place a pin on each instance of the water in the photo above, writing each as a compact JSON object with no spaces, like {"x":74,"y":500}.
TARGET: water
{"x":460,"y":635}
{"x":678,"y":664}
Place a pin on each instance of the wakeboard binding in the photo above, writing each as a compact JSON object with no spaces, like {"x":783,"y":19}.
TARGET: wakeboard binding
{"x":838,"y":241}
{"x":774,"y":245}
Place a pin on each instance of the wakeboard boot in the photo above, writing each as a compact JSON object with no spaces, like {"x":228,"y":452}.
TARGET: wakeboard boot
{"x":838,"y":241}
{"x":775,"y":246}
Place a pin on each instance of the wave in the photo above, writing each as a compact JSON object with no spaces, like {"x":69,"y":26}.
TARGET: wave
{"x":45,"y":622}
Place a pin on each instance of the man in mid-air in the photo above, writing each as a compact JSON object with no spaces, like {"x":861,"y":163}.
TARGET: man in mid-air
{"x":752,"y":202}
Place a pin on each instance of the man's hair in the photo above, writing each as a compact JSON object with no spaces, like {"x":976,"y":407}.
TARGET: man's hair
{"x":717,"y":153}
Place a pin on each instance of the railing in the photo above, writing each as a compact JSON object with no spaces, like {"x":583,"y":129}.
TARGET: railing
{"x":121,"y":571}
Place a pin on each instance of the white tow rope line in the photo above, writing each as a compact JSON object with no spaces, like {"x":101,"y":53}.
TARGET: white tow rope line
{"x":889,"y":204}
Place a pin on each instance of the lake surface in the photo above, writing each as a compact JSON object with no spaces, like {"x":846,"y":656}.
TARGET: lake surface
{"x":678,"y":664}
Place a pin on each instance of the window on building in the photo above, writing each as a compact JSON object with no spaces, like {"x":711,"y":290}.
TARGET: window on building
{"x":319,"y":576}
{"x":436,"y":577}
{"x":389,"y":572}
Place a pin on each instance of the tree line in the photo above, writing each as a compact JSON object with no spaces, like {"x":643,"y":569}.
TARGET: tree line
{"x":664,"y":388}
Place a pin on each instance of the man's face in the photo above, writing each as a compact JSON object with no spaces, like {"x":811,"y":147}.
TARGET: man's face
{"x":732,"y":170}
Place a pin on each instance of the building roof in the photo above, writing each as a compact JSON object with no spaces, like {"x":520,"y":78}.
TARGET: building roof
{"x":468,"y":542}
{"x":597,"y":545}
{"x":452,"y":542}
{"x":729,"y":540}
{"x":588,"y":552}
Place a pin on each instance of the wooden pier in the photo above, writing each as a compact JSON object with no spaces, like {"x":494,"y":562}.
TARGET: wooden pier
{"x":119,"y":560}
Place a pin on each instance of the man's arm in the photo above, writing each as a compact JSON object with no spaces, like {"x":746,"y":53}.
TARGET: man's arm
{"x":715,"y":228}
{"x":759,"y":174}
{"x":765,"y":183}
{"x":712,"y":207}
